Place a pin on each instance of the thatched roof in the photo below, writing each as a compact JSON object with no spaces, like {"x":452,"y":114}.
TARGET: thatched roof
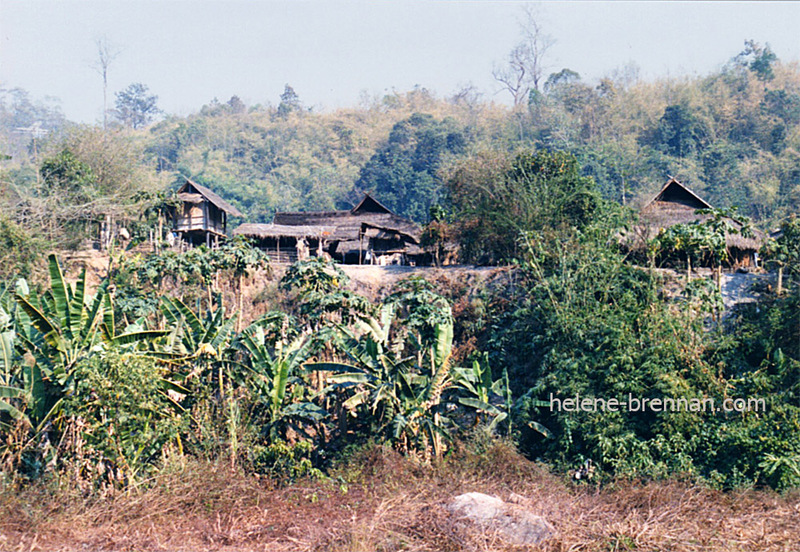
{"x":190,"y":190}
{"x":370,"y":205}
{"x":350,"y":224}
{"x":677,"y":204}
{"x":283,"y":231}
{"x":674,"y":204}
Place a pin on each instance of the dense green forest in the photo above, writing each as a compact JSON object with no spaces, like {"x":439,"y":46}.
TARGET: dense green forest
{"x":106,"y":385}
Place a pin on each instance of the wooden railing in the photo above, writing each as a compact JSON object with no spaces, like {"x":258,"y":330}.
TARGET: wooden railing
{"x":286,"y":255}
{"x":198,"y":223}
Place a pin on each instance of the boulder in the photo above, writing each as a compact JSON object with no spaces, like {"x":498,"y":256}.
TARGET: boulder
{"x":513,"y":522}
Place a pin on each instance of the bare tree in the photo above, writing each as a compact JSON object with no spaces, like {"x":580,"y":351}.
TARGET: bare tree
{"x":106,"y":54}
{"x":525,"y":66}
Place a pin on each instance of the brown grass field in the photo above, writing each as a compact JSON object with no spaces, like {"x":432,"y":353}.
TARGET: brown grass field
{"x":382,"y":501}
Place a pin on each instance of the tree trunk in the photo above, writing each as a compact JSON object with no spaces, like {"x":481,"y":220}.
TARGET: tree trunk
{"x":239,"y":283}
{"x":780,"y":280}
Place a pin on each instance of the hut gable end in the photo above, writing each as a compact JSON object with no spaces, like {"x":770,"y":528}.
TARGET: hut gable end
{"x":675,"y":192}
{"x":370,"y":205}
{"x":674,"y":204}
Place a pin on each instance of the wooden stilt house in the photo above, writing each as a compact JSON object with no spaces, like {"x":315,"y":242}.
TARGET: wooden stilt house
{"x":202,"y":216}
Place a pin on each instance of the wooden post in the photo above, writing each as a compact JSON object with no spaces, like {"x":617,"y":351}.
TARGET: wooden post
{"x":278,"y":250}
{"x":780,"y":280}
{"x":360,"y":245}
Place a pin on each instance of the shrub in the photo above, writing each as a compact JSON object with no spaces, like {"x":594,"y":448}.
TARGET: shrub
{"x":120,"y":417}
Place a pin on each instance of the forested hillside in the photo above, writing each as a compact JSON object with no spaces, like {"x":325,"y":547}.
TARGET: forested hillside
{"x":732,"y":136}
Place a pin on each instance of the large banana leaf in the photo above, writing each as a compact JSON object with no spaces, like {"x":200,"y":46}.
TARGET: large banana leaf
{"x":7,"y":392}
{"x":444,"y":342}
{"x":138,"y":337}
{"x":89,"y":326}
{"x":76,"y":310}
{"x":176,"y":310}
{"x":61,"y":294}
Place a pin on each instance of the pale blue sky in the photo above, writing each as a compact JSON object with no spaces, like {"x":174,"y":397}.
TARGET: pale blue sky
{"x":190,"y":51}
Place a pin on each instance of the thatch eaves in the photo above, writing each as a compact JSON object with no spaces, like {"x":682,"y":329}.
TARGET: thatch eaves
{"x":349,"y":225}
{"x":385,"y":229}
{"x":191,"y":188}
{"x":263,"y":231}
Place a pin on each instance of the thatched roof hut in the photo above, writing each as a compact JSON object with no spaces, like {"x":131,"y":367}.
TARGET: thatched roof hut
{"x":677,"y":204}
{"x":347,"y":235}
{"x":348,"y":224}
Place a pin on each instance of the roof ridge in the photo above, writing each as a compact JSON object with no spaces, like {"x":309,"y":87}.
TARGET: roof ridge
{"x":213,"y":197}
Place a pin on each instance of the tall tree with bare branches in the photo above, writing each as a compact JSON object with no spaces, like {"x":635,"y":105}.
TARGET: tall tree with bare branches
{"x":106,"y":54}
{"x":525,"y":66}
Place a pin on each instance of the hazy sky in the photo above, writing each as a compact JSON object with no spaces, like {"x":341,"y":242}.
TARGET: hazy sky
{"x":189,"y":51}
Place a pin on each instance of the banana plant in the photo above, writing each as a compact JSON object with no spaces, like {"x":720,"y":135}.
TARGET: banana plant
{"x":202,"y":344}
{"x":54,"y":331}
{"x":400,"y":396}
{"x":482,"y":392}
{"x":7,"y":388}
{"x":63,"y":325}
{"x":274,"y":380}
{"x":196,"y":335}
{"x":23,"y":397}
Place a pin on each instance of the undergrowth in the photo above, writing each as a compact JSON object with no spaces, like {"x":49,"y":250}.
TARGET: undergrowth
{"x":376,"y":499}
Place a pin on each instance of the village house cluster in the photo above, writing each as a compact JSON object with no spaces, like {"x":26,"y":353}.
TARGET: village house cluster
{"x":370,"y":233}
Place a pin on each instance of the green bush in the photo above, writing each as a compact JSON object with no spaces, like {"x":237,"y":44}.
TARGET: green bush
{"x":121,"y":418}
{"x":20,"y":251}
{"x":283,"y":461}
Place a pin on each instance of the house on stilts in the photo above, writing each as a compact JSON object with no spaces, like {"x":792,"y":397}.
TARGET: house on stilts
{"x":201,"y":216}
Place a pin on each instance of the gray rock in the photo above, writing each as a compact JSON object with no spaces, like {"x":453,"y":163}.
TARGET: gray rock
{"x":512,"y":522}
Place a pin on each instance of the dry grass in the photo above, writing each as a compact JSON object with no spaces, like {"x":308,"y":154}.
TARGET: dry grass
{"x":380,"y":501}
